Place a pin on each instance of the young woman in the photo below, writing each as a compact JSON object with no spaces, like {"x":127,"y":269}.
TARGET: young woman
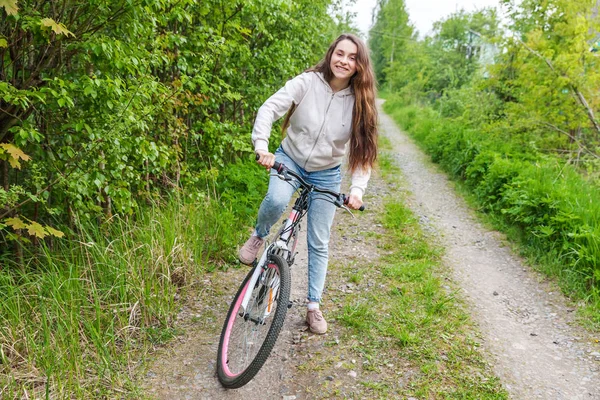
{"x":327,"y":106}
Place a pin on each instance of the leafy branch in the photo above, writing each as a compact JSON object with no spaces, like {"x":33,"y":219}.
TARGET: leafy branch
{"x":579,"y":96}
{"x":75,"y":164}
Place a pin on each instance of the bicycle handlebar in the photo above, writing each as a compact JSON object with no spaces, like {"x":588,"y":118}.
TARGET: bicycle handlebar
{"x":281,"y":168}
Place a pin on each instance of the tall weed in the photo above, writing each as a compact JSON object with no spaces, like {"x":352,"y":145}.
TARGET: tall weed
{"x":76,"y":322}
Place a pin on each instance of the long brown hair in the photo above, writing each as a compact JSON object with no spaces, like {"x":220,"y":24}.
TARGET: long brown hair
{"x":363,"y":139}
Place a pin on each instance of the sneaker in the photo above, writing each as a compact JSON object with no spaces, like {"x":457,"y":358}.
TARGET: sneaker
{"x":247,"y":253}
{"x":316,"y":322}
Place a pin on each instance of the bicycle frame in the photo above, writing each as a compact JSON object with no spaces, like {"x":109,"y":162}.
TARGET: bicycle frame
{"x":288,"y":232}
{"x":279,"y":246}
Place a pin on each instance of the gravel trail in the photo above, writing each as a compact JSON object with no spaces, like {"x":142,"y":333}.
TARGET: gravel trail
{"x":527,"y":326}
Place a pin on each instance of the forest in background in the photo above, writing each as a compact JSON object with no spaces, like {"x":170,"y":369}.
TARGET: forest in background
{"x":511,"y":111}
{"x":126,"y":168}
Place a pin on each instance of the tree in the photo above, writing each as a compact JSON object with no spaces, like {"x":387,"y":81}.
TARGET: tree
{"x":107,"y":104}
{"x":550,"y":77}
{"x":389,"y":36}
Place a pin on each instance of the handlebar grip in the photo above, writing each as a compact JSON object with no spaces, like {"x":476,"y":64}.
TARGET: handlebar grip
{"x":346,"y":198}
{"x":276,"y":165}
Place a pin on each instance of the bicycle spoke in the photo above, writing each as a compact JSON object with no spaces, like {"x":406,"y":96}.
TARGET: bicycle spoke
{"x":251,"y":327}
{"x":249,"y":334}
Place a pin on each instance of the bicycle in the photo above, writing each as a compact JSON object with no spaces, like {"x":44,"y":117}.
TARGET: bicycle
{"x":260,"y":306}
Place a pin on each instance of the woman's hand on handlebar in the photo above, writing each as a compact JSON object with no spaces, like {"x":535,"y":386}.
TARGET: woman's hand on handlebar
{"x":354,"y":202}
{"x":265,"y":158}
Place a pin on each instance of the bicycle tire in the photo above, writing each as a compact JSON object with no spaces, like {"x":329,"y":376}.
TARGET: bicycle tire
{"x":235,"y":379}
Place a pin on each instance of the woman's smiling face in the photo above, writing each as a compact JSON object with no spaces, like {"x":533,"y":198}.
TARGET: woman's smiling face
{"x":343,"y":60}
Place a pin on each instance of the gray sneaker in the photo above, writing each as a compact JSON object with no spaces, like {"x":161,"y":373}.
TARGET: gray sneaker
{"x":247,"y":253}
{"x":316,"y":322}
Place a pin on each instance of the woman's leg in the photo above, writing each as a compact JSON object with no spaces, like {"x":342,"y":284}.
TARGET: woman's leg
{"x":320,"y":218}
{"x":278,"y":197}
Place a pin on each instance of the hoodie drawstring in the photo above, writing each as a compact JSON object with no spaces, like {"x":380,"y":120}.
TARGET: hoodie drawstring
{"x":344,"y":110}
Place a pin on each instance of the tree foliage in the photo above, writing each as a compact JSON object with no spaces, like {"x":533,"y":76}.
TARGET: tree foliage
{"x":389,"y":37}
{"x":540,"y":84}
{"x":549,"y":76}
{"x":514,"y":115}
{"x":431,"y":66}
{"x":105,"y":104}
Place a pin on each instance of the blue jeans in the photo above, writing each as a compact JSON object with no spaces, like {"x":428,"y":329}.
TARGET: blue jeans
{"x":320,"y":217}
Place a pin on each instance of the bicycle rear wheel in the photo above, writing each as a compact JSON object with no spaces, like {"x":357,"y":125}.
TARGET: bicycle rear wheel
{"x":248,"y":335}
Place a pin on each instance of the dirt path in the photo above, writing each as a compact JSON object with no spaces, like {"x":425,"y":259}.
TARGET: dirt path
{"x":186,"y":369}
{"x":526,"y":325}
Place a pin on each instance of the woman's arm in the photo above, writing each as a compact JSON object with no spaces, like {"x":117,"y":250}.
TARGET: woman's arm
{"x":276,"y":106}
{"x":360,"y":178}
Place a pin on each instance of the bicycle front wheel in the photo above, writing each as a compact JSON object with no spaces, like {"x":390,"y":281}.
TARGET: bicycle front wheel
{"x":249,"y":334}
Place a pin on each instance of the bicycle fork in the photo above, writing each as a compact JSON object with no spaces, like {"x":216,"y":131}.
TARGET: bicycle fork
{"x":262,"y":270}
{"x":262,"y":274}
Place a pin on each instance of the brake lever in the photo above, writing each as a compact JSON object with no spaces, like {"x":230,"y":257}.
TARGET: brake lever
{"x":345,"y":207}
{"x":341,"y":203}
{"x":283,"y":176}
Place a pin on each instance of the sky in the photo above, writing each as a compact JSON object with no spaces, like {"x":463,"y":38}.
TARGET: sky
{"x":422,"y":13}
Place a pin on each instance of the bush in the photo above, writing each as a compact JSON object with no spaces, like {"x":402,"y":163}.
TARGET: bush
{"x":549,"y":205}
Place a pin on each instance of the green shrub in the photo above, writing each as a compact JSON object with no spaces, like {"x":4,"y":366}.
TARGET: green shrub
{"x":548,"y":206}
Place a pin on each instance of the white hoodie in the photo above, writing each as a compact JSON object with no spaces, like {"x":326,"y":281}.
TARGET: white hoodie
{"x":319,"y":127}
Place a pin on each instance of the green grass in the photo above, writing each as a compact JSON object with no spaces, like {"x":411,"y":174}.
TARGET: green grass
{"x":77,"y":321}
{"x":414,"y":317}
{"x":546,"y":207}
{"x":79,"y":318}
